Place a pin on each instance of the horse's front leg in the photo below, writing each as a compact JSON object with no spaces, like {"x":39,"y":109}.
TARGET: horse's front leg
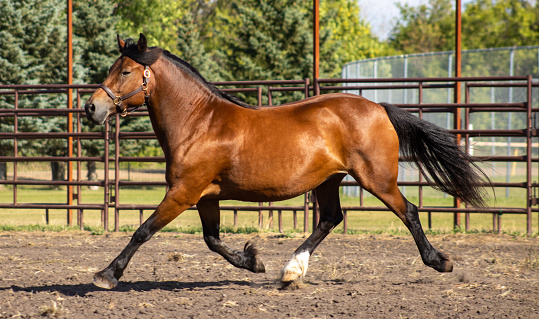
{"x":167,"y":210}
{"x":330,"y":216}
{"x":208,"y":210}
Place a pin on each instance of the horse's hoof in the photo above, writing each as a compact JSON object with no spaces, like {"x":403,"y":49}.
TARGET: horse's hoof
{"x":104,"y":279}
{"x":296,"y":268}
{"x":258,"y":265}
{"x":255,"y":263}
{"x":446,"y":266}
{"x":288,"y":276}
{"x":443,"y":264}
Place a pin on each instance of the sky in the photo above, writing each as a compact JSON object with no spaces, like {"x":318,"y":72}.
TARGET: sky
{"x":382,"y":14}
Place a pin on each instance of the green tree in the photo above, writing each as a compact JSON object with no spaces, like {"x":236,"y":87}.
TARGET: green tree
{"x":425,"y":28}
{"x":190,"y":47}
{"x":35,"y":46}
{"x":12,"y":62}
{"x":271,"y":40}
{"x":346,"y":37}
{"x":95,"y":49}
{"x":154,"y":18}
{"x":500,"y":23}
{"x":94,"y":34}
{"x":485,"y":24}
{"x":33,"y":36}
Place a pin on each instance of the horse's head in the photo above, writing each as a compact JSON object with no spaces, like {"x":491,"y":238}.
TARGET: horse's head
{"x":126,"y":86}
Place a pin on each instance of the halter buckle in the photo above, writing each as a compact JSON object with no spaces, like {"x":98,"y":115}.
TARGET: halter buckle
{"x":145,"y":89}
{"x":118,"y":101}
{"x":124,"y":113}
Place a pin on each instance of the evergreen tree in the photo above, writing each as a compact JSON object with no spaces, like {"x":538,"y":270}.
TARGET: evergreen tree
{"x":272,"y":40}
{"x":95,"y":49}
{"x":12,"y":60}
{"x":191,"y":48}
{"x":94,"y":37}
{"x":12,"y":56}
{"x":34,"y":51}
{"x":32,"y":33}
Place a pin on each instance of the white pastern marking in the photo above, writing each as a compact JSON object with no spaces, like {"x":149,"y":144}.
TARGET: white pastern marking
{"x":296,"y":267}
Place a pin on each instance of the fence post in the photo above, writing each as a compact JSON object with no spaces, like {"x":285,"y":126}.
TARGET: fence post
{"x":260,"y":217}
{"x":280,"y":217}
{"x":306,"y":213}
{"x":259,"y":95}
{"x":81,"y":218}
{"x":117,"y":173}
{"x":15,"y":144}
{"x":270,"y":216}
{"x":105,"y":213}
{"x":345,"y":222}
{"x":316,"y":212}
{"x":79,"y":154}
{"x":529,"y":157}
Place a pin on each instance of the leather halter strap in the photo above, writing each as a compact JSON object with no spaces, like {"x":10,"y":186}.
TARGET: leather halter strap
{"x":119,"y":99}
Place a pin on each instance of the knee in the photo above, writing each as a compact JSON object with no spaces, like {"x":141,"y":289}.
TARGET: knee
{"x":333,"y":219}
{"x":338,"y":218}
{"x":141,"y":235}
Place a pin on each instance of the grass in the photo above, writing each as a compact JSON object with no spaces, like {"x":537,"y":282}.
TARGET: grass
{"x":358,"y":222}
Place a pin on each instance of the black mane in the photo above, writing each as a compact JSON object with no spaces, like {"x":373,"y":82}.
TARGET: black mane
{"x":152,"y":54}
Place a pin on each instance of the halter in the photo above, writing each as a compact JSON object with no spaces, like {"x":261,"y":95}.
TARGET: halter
{"x":117,"y":100}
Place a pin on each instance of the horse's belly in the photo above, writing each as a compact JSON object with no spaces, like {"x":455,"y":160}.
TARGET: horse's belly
{"x":262,"y":194}
{"x":267,"y":187}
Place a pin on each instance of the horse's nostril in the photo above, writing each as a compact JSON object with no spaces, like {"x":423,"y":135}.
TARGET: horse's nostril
{"x":90,"y":108}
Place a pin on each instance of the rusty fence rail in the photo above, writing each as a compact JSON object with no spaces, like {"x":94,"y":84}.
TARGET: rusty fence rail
{"x":264,"y":91}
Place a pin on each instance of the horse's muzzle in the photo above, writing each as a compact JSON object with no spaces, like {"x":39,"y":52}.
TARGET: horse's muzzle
{"x":90,"y":111}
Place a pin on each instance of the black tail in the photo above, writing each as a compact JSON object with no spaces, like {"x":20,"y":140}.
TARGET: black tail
{"x":434,"y":150}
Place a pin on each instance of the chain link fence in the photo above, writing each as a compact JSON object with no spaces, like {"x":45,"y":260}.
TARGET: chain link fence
{"x":510,"y":61}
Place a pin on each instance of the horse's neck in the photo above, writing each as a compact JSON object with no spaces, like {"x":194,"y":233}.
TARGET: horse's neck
{"x":178,"y":104}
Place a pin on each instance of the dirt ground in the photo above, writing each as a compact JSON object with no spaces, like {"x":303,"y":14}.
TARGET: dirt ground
{"x":360,"y":276}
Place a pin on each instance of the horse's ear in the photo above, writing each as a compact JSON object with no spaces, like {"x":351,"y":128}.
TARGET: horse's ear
{"x":142,"y":43}
{"x":121,"y":43}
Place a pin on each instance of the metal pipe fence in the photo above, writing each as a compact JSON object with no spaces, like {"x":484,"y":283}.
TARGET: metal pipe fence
{"x":111,"y":137}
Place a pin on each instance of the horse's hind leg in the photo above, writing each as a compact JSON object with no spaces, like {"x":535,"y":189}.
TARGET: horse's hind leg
{"x":431,"y":257}
{"x":210,"y":217}
{"x":330,"y":216}
{"x":381,"y":181}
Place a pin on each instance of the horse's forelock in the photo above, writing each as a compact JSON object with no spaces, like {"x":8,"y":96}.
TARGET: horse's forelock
{"x":145,"y":58}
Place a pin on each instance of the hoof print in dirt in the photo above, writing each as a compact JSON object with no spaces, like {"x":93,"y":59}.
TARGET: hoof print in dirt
{"x":292,"y":285}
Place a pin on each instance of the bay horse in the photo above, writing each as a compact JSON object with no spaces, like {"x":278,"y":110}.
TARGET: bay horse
{"x":220,"y":148}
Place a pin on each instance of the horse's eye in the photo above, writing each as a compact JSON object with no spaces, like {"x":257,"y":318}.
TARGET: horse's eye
{"x":126,"y":73}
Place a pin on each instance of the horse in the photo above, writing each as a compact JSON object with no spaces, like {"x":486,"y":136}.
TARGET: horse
{"x":219,"y":148}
